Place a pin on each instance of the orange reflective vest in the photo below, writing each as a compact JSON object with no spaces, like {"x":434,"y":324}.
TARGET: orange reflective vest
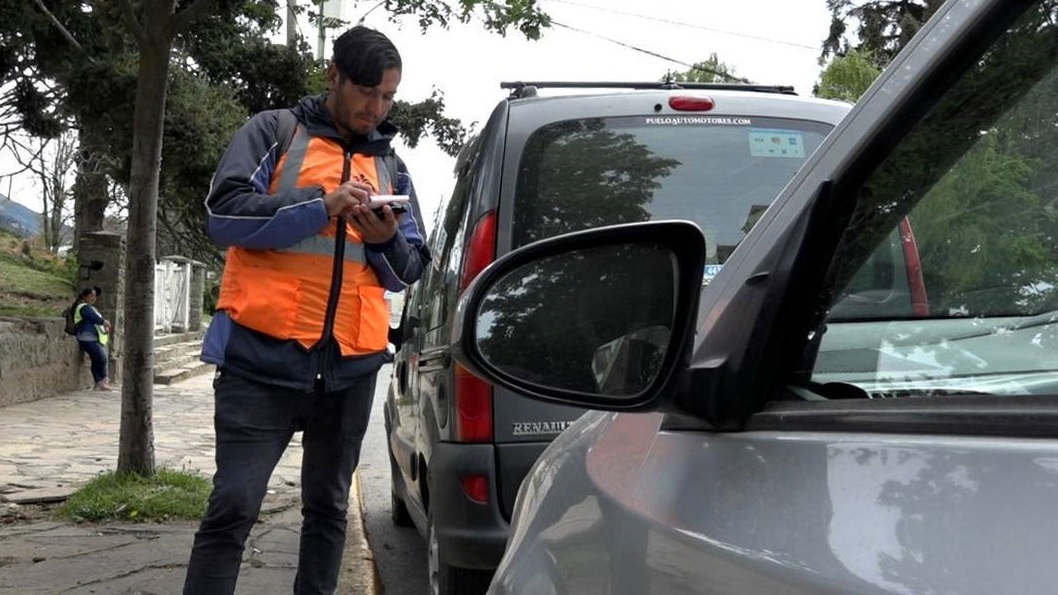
{"x":284,"y":293}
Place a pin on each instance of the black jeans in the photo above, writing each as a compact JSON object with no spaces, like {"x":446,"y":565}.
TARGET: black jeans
{"x":254,"y":423}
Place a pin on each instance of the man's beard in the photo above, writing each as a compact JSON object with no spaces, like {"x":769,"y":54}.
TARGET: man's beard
{"x":354,"y":124}
{"x":360,"y":126}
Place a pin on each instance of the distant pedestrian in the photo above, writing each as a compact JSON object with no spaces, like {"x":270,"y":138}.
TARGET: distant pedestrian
{"x":93,"y":334}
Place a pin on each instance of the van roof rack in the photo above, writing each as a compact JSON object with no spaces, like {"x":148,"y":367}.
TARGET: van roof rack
{"x":521,"y":89}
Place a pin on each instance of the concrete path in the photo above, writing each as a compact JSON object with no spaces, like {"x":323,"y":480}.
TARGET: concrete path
{"x":51,"y":447}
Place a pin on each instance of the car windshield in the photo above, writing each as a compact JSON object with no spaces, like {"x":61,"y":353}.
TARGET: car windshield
{"x":964,"y":215}
{"x":720,"y":172}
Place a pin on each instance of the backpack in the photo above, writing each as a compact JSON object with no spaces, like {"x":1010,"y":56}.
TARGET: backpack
{"x":70,"y":327}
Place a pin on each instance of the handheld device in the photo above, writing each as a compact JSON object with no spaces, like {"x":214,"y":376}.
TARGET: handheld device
{"x":397,"y":202}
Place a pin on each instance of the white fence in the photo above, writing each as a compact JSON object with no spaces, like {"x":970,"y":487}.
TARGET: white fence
{"x":172,"y":295}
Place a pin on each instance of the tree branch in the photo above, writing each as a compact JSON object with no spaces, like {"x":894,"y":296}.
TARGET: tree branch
{"x":129,"y":15}
{"x":35,"y":153}
{"x":185,"y":17}
{"x":62,"y":29}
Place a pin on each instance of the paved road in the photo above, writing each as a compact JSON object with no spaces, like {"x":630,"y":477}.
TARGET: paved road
{"x":399,"y":552}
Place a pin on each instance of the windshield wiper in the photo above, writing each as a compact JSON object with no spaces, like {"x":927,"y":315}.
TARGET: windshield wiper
{"x":832,"y":391}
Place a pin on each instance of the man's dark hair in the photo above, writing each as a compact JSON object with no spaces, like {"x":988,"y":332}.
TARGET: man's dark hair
{"x":87,"y":291}
{"x":362,"y":55}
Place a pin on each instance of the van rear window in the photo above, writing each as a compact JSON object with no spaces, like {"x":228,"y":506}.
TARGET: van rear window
{"x":721,"y":173}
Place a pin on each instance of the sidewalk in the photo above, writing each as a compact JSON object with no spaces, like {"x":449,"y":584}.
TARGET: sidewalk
{"x":53,"y":446}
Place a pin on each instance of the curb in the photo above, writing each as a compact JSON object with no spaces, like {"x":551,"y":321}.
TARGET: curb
{"x":359,"y":575}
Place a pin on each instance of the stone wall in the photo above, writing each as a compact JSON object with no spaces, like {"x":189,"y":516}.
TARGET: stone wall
{"x":198,"y":292}
{"x":38,"y":360}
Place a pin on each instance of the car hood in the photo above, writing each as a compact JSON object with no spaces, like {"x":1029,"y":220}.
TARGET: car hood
{"x":671,"y":512}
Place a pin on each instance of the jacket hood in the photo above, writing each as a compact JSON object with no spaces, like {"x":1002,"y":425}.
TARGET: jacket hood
{"x":312,"y":113}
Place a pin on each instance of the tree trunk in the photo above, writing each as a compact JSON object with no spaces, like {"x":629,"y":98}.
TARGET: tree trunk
{"x":136,"y":444}
{"x":89,"y":189}
{"x":54,"y":193}
{"x":45,"y":219}
{"x":56,"y":224}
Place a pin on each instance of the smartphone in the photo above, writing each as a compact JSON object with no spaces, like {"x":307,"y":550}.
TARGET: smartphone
{"x":397,"y":202}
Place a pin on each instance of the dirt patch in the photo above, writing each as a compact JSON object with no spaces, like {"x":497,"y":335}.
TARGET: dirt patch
{"x":16,"y":514}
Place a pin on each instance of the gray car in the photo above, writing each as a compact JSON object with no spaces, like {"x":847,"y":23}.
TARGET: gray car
{"x":549,"y":162}
{"x":784,"y":429}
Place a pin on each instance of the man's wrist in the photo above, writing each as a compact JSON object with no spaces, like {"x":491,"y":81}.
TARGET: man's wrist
{"x":382,"y":246}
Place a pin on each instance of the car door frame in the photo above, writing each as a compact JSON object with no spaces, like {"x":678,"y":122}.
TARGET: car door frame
{"x":772,"y":277}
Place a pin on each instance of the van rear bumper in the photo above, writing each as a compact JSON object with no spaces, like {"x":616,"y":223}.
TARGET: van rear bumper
{"x":470,"y":534}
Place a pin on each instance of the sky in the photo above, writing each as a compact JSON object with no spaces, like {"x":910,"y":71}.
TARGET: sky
{"x":766,"y":41}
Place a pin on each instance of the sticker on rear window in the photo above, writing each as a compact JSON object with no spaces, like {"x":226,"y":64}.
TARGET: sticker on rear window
{"x":690,"y":120}
{"x":776,"y":143}
{"x":711,"y":270}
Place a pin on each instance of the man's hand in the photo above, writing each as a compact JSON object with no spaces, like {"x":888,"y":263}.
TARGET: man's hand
{"x":341,"y":201}
{"x":372,"y":229}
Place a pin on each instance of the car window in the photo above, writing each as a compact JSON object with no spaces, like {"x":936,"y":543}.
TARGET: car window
{"x":581,"y":174}
{"x":447,"y":243}
{"x":976,"y":182}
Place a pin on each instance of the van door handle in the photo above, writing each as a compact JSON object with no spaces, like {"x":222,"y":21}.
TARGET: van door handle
{"x":434,"y":360}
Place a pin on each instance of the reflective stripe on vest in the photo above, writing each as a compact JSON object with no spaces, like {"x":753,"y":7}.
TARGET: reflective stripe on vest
{"x":385,"y":185}
{"x":295,"y":160}
{"x":324,"y":245}
{"x":299,"y":145}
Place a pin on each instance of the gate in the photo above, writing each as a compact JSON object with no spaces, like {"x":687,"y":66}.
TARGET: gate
{"x":172,"y":295}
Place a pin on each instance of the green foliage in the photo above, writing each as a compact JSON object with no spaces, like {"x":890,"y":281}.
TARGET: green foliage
{"x":168,"y":495}
{"x":224,"y":69}
{"x":231,"y":50}
{"x":882,"y":27}
{"x":426,"y":117}
{"x":847,"y":77}
{"x":980,"y":226}
{"x":981,"y":163}
{"x":497,"y":16}
{"x":566,"y":163}
{"x":711,"y":70}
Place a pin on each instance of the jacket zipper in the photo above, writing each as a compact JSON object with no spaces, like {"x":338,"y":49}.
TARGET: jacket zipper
{"x":337,"y":275}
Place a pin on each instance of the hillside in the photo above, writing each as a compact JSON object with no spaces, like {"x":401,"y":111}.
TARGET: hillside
{"x":18,"y":219}
{"x":24,"y":222}
{"x":32,"y":282}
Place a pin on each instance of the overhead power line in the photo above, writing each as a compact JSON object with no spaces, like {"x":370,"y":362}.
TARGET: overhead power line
{"x":689,"y":25}
{"x":723,"y":75}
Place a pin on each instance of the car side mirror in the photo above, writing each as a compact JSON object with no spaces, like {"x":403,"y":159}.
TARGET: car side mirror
{"x":598,"y":319}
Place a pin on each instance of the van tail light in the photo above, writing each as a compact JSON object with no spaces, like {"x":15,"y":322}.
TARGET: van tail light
{"x":481,"y":250}
{"x":473,"y":396}
{"x":473,"y":407}
{"x":683,"y":103}
{"x":915,"y":282}
{"x":476,"y":487}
